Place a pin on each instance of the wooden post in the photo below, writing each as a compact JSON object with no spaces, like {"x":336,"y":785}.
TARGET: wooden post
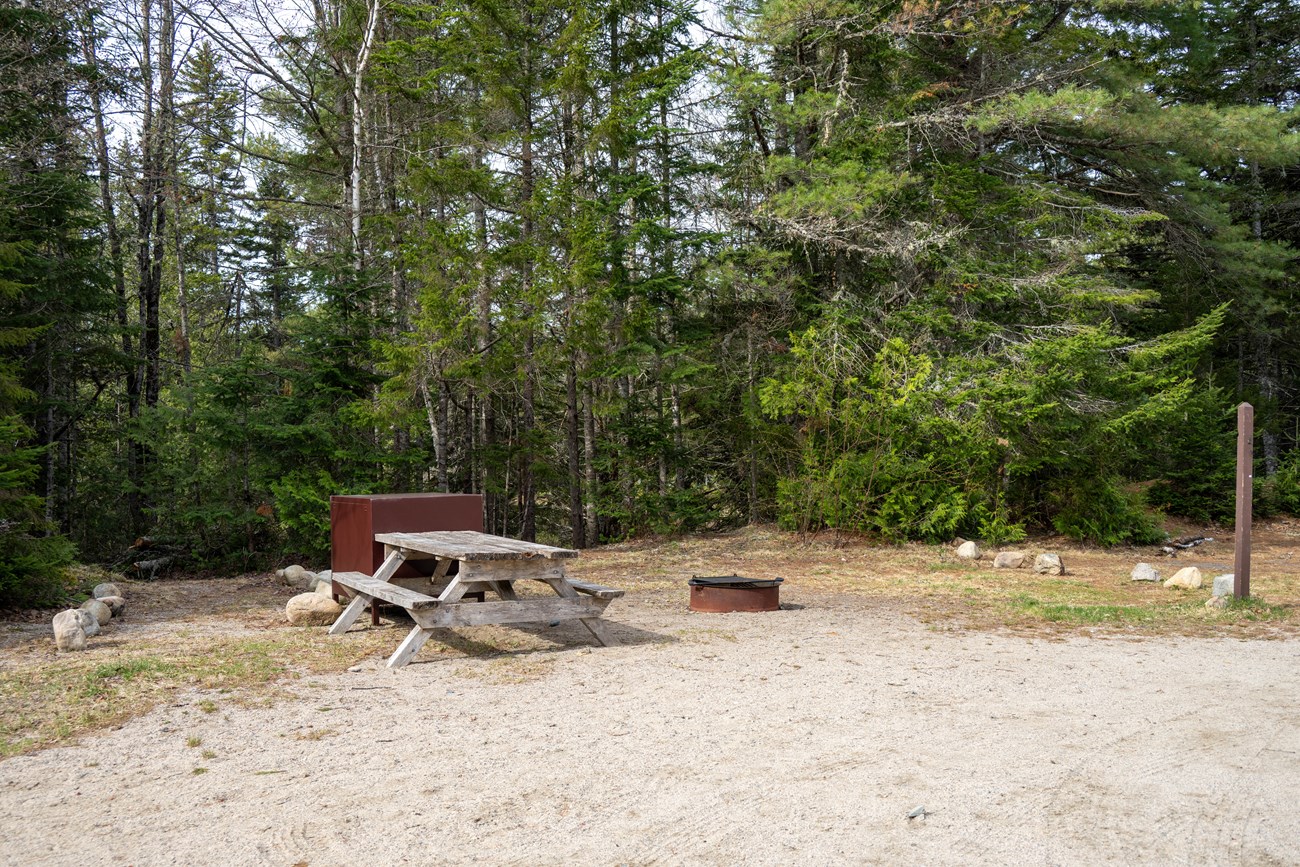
{"x":1245,"y":489}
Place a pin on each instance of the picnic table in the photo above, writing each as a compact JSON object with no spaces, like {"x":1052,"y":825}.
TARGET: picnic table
{"x":485,"y":563}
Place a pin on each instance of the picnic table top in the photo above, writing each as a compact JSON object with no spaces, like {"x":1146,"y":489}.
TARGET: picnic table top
{"x":473,"y":546}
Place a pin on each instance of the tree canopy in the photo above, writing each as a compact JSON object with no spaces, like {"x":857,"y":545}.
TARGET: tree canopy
{"x":912,"y":269}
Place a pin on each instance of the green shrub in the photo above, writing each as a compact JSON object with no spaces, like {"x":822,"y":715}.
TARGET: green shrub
{"x":303,"y":505}
{"x":1098,"y":511}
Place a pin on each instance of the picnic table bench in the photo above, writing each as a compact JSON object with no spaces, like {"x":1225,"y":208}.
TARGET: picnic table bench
{"x":485,"y":563}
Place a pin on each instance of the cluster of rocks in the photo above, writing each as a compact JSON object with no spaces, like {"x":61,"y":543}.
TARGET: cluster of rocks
{"x":73,"y":626}
{"x":1189,"y":578}
{"x":1044,"y":564}
{"x":316,"y":606}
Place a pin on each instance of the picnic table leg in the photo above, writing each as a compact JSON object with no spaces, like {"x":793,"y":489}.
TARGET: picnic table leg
{"x":350,"y":614}
{"x":385,"y":572}
{"x":594,"y":625}
{"x":409,"y":647}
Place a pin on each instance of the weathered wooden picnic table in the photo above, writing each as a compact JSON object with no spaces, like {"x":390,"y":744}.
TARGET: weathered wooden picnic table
{"x":485,"y":563}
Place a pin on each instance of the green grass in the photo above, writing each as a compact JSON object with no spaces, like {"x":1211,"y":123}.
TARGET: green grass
{"x":1083,"y":614}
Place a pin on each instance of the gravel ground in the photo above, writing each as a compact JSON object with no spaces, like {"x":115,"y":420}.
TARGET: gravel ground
{"x":804,"y":736}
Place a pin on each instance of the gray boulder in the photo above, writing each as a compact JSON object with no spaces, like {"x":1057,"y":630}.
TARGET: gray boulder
{"x":1049,"y":564}
{"x":68,"y":634}
{"x":312,"y":609}
{"x":296,"y":576}
{"x":116,"y":604}
{"x":1144,"y":572}
{"x":89,"y":622}
{"x":1187,"y":578}
{"x":1223,"y":584}
{"x":1009,"y":560}
{"x":968,"y":551}
{"x":105,"y":589}
{"x":98,"y":609}
{"x":1217,"y":603}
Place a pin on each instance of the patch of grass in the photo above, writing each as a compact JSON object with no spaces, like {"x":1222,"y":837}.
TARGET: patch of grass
{"x":1255,"y":609}
{"x":208,"y":754}
{"x":104,"y":678}
{"x":193,"y":741}
{"x":45,"y":702}
{"x":198,"y":771}
{"x":1064,"y":612}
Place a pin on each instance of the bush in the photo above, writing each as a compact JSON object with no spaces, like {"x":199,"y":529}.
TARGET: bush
{"x":1098,"y":511}
{"x":1281,"y":492}
{"x":32,"y":573}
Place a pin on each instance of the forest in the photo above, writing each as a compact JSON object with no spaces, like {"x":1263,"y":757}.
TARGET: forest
{"x":908,"y":269}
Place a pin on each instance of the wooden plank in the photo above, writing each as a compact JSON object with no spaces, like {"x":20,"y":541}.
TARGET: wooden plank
{"x":505,"y":590}
{"x":595,"y":590}
{"x":350,"y":614}
{"x":444,"y":564}
{"x":520,"y":611}
{"x":470,"y":545}
{"x":368,"y":586}
{"x":389,"y":567}
{"x":410,"y":555}
{"x":409,"y":647}
{"x":511,"y":570}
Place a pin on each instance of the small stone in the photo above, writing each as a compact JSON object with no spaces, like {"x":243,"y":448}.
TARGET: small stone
{"x":968,"y":551}
{"x":1188,"y":578}
{"x":89,"y":622}
{"x":116,"y":604}
{"x":68,"y":634}
{"x":918,"y":813}
{"x":311,"y":609}
{"x":355,"y":668}
{"x":1144,"y":572}
{"x":100,"y":611}
{"x":1049,"y":564}
{"x":1009,"y":560}
{"x":1217,"y":603}
{"x":105,"y":589}
{"x":324,"y":588}
{"x":1223,"y":584}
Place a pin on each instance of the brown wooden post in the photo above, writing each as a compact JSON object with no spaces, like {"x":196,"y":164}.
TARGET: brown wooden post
{"x":1245,"y":489}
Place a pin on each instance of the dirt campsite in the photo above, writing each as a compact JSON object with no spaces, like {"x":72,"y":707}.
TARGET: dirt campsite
{"x":903,"y":706}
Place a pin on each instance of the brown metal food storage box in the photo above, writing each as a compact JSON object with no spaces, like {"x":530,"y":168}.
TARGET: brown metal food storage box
{"x":355,"y":519}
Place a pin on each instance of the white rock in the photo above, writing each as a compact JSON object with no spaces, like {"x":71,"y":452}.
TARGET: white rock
{"x":116,"y":604}
{"x":101,"y":612}
{"x":1218,"y":603}
{"x":1049,"y":564}
{"x":312,"y":609}
{"x":1144,"y":572}
{"x":68,"y":634}
{"x":968,"y":551}
{"x":1223,"y":584}
{"x":1009,"y":560}
{"x":1189,"y":578}
{"x":324,"y":588}
{"x":105,"y":589}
